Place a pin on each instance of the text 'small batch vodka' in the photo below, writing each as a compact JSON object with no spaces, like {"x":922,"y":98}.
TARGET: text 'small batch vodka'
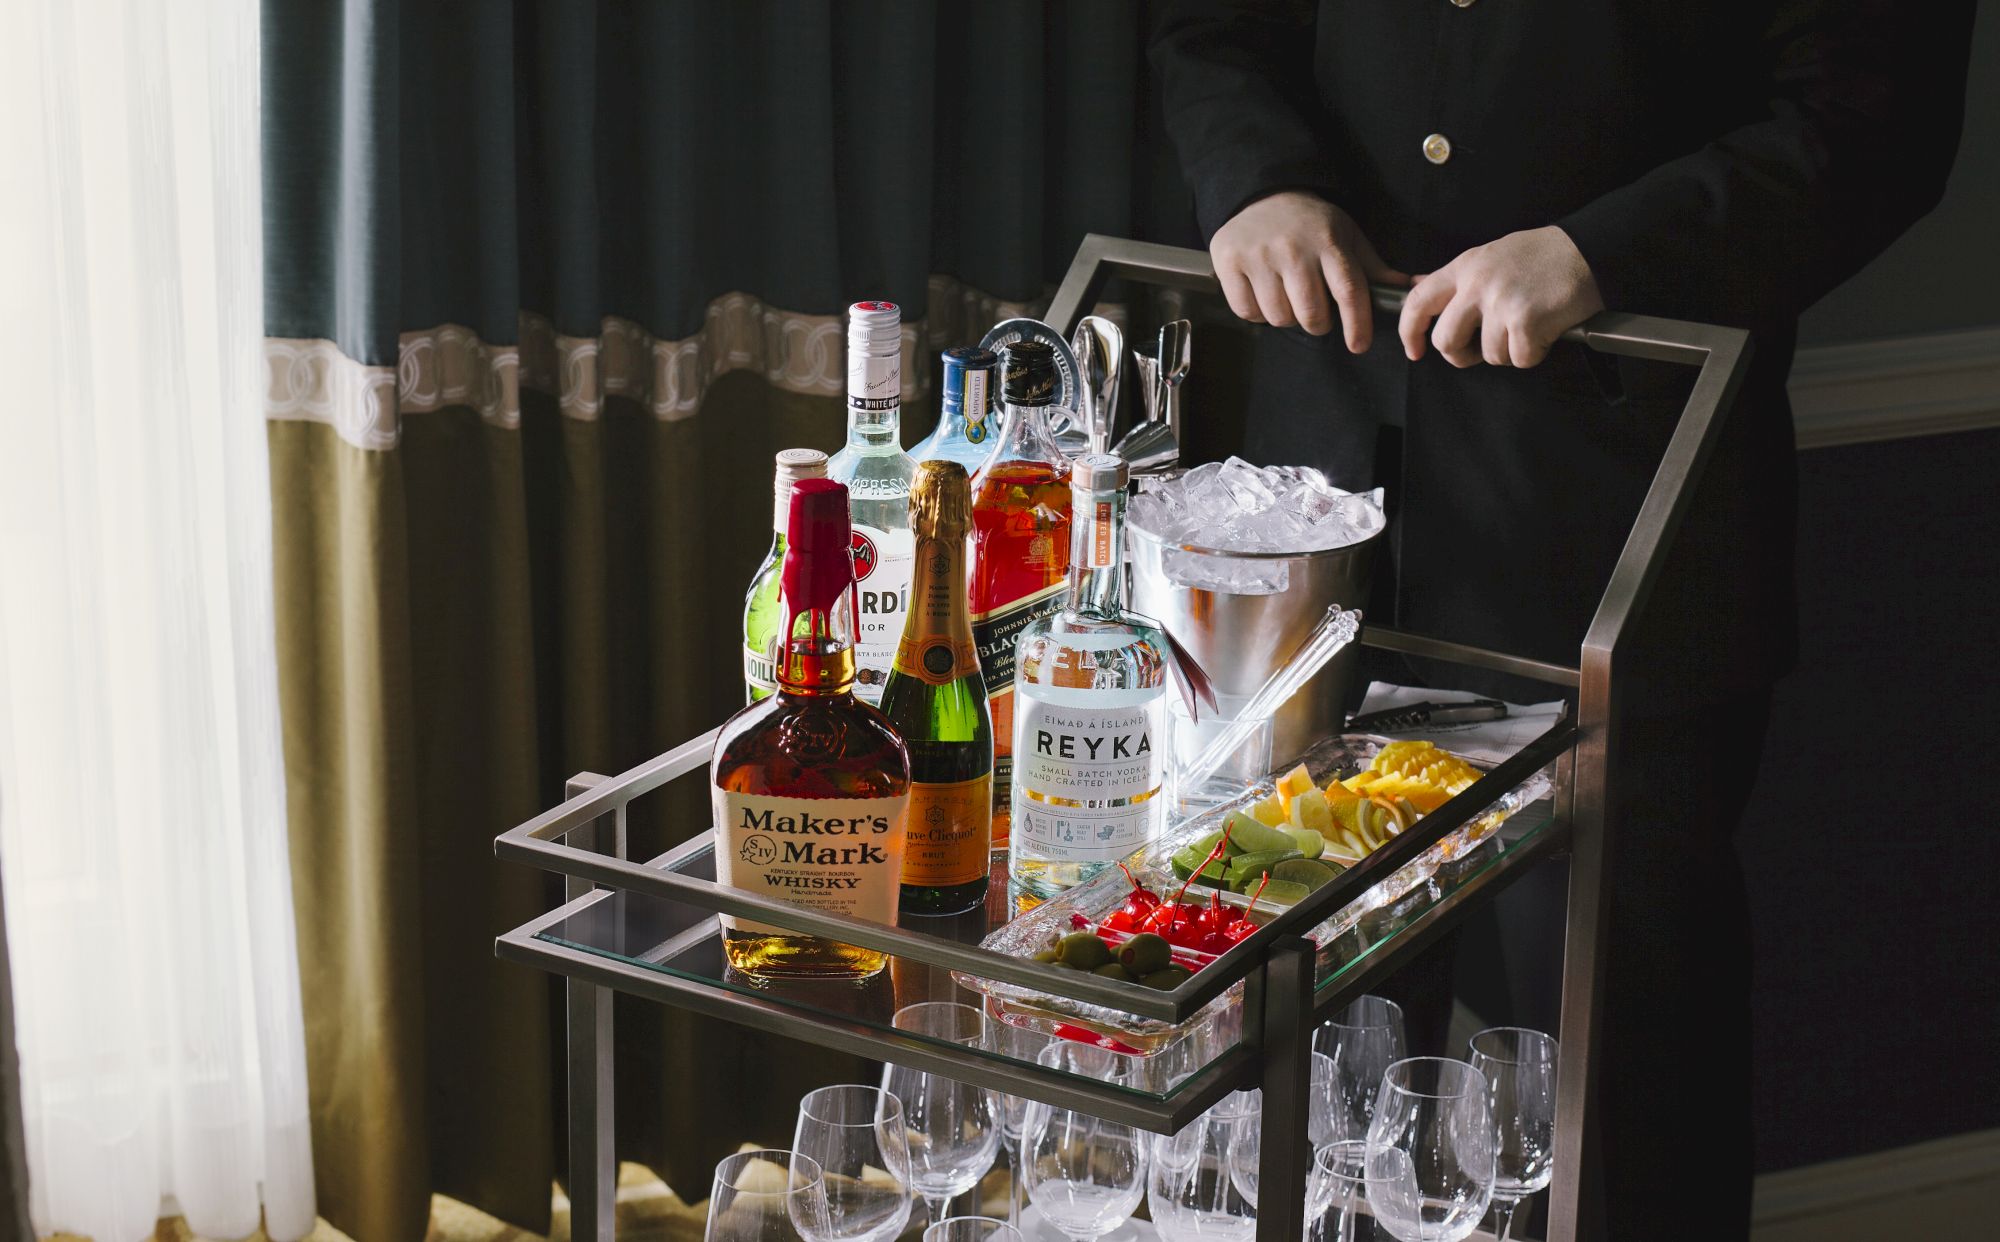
{"x":877,"y":475}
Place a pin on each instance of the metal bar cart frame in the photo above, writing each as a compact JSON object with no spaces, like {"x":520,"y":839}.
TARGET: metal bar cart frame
{"x":584,"y":839}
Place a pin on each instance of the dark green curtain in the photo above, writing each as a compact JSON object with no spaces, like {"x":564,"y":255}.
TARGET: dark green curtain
{"x":544,"y":281}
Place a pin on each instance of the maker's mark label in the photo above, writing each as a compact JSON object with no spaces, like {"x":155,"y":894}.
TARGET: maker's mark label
{"x":840,"y":855}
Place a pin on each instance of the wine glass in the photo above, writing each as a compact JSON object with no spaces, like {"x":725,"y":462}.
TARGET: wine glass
{"x":1083,"y":1173}
{"x":856,"y":1136}
{"x":952,"y":1132}
{"x":766,"y":1196}
{"x":1431,"y":1150}
{"x":1016,"y":1043}
{"x":1337,"y":1194}
{"x":1323,"y":1125}
{"x":1364,"y":1040}
{"x":1520,"y":1070}
{"x":972,"y":1229}
{"x":1191,"y":1189}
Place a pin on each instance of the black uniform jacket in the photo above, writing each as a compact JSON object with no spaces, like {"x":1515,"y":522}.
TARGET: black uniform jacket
{"x":1718,"y":162}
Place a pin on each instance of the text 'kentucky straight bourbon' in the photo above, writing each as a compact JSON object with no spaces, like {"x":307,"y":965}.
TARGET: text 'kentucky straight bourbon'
{"x":810,"y":786}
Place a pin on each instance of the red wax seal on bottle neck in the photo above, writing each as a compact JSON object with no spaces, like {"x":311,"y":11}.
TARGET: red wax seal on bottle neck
{"x":819,"y":564}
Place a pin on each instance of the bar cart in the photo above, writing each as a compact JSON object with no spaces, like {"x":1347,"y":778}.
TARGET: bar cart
{"x":649,"y":928}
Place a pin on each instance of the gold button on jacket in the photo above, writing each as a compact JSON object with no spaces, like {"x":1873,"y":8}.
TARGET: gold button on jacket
{"x":1437,"y":148}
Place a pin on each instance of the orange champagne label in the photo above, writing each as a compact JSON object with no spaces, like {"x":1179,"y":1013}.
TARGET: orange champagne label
{"x":946,"y":841}
{"x":936,"y":659}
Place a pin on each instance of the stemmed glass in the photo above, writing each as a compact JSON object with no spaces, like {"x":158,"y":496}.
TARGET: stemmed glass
{"x":1520,"y":1070}
{"x":972,"y":1229}
{"x":1083,"y":1173}
{"x":1323,"y":1125}
{"x":1431,"y":1150}
{"x":1017,"y":1043}
{"x":1191,"y":1190}
{"x":1339,"y":1185}
{"x":856,"y":1137}
{"x":766,"y":1196}
{"x":952,"y":1132}
{"x":1363,"y":1040}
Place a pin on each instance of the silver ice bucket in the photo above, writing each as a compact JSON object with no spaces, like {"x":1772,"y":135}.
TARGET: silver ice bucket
{"x":1242,"y":613}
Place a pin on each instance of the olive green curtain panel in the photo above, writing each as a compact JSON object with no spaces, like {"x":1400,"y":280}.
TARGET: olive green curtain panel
{"x":547,"y":284}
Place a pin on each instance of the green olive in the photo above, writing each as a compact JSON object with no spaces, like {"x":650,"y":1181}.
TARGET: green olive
{"x":1062,"y":965}
{"x":1167,"y":979}
{"x":1112,"y":970}
{"x":1083,"y":950}
{"x":1048,"y":955}
{"x":1145,"y":953}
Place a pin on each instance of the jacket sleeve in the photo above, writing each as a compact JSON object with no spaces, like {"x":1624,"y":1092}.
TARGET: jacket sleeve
{"x":1866,"y":104}
{"x":1236,"y":79}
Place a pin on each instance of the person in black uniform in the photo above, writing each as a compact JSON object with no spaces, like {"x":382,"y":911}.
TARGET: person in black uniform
{"x":1522,"y":165}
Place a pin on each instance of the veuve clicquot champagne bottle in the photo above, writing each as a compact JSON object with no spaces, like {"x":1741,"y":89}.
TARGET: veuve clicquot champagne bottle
{"x":937,"y":700}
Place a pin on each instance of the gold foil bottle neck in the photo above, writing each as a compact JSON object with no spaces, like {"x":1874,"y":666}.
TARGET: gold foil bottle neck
{"x":940,"y":500}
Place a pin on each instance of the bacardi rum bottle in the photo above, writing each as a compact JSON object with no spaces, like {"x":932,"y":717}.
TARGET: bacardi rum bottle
{"x":1090,"y":709}
{"x":1020,"y":543}
{"x":877,"y":473}
{"x":967,"y":428}
{"x":760,"y":604}
{"x":937,"y":701}
{"x":811,"y":786}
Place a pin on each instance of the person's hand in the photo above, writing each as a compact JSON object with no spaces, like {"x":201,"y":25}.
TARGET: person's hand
{"x":1505,"y":302}
{"x":1279,"y":257}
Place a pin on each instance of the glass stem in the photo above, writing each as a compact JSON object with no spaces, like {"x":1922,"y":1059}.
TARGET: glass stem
{"x":1503,"y":1217}
{"x":1017,"y":1159}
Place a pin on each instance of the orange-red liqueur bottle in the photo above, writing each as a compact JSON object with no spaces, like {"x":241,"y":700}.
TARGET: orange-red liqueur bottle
{"x":811,"y":786}
{"x":1020,"y":544}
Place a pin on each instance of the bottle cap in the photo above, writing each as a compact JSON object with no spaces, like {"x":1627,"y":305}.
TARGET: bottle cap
{"x":874,"y":356}
{"x":1031,"y":376}
{"x":793,"y":464}
{"x":940,"y":500}
{"x":1099,"y":472}
{"x":819,"y":562}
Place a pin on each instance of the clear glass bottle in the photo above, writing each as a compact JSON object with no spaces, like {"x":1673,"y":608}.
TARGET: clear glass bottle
{"x":1020,"y":544}
{"x":877,"y":474}
{"x":1090,"y":709}
{"x":760,"y":603}
{"x":967,"y":428}
{"x":811,"y":787}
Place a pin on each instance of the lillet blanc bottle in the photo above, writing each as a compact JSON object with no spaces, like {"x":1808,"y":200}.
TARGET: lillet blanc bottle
{"x":877,"y":474}
{"x":1090,"y":709}
{"x":760,"y":603}
{"x":937,"y":701}
{"x":810,"y":786}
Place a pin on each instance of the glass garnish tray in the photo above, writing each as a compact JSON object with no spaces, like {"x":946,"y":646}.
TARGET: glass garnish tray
{"x":1340,"y":937}
{"x":652,"y":931}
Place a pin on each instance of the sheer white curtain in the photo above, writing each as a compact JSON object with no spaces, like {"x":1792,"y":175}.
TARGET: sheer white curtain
{"x":142,"y":806}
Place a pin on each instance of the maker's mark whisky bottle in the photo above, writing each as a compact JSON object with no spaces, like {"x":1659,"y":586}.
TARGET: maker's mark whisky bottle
{"x":811,"y":786}
{"x":937,"y":700}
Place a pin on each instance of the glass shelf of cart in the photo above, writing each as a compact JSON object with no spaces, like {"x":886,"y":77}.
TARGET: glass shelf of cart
{"x":686,"y":942}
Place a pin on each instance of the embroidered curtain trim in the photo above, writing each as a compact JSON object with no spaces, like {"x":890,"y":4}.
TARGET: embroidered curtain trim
{"x":449,"y":365}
